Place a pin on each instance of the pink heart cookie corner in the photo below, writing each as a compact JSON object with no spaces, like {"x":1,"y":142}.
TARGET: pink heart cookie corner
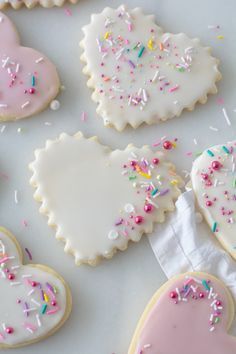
{"x":29,"y":80}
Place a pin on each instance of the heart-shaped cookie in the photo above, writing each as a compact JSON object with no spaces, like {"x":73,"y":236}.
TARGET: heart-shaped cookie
{"x":213,"y":180}
{"x":29,"y":81}
{"x":190,"y":314}
{"x":99,"y":199}
{"x":140,"y":74}
{"x":17,"y":4}
{"x":35,"y":300}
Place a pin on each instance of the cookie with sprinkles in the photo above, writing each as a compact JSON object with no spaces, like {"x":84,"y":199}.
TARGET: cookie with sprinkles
{"x":140,"y":74}
{"x":17,"y":4}
{"x":35,"y":300}
{"x":213,"y":179}
{"x":29,"y":80}
{"x":99,"y":199}
{"x":190,"y":314}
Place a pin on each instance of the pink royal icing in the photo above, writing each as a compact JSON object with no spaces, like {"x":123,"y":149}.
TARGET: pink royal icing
{"x":29,"y":81}
{"x":190,"y":317}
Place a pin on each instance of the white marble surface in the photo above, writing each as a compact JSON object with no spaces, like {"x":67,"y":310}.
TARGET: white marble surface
{"x":107,"y":300}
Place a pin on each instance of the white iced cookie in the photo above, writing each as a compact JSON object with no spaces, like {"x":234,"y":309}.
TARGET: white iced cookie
{"x":140,"y":74}
{"x":213,"y":179}
{"x":35,"y":300}
{"x":99,"y":199}
{"x":17,"y":4}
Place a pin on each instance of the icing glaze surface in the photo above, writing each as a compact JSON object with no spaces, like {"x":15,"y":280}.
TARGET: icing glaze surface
{"x":141,"y":74}
{"x":187,"y":317}
{"x":213,"y":180}
{"x":29,"y":81}
{"x":16,"y":4}
{"x":99,"y":199}
{"x":33,"y":298}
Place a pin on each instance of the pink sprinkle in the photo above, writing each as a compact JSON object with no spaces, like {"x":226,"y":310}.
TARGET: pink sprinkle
{"x":189,"y":153}
{"x":51,"y":312}
{"x":3,"y":260}
{"x":24,"y":223}
{"x":30,"y":326}
{"x":84,"y":116}
{"x":28,"y":253}
{"x":130,"y":27}
{"x":174,"y":88}
{"x":68,"y":12}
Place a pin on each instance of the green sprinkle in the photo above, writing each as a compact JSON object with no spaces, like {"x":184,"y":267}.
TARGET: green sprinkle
{"x":199,"y":153}
{"x":132,"y":177}
{"x":154,"y":192}
{"x":181,"y":70}
{"x":135,"y":47}
{"x":234,"y":183}
{"x":205,"y":284}
{"x":225,"y":149}
{"x":141,"y":52}
{"x":210,"y":153}
{"x":217,"y":320}
{"x":214,"y":226}
{"x":44,"y":308}
{"x":33,"y":81}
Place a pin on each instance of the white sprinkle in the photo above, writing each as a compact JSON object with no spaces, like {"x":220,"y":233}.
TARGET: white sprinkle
{"x":25,"y":104}
{"x":5,"y":62}
{"x":3,"y":128}
{"x":1,"y":19}
{"x":179,"y":297}
{"x":195,"y":141}
{"x":213,"y":303}
{"x":30,"y":330}
{"x":210,"y":293}
{"x":26,"y":276}
{"x":16,"y":197}
{"x":213,"y":128}
{"x":39,"y":60}
{"x":134,"y":155}
{"x":15,"y":267}
{"x":30,"y":310}
{"x":146,"y":346}
{"x":38,"y":320}
{"x":144,"y":95}
{"x":48,"y":123}
{"x":226,"y":116}
{"x":212,"y":329}
{"x":31,"y":292}
{"x":4,"y":326}
{"x":17,"y":67}
{"x":15,"y":283}
{"x":155,"y":76}
{"x":36,"y":302}
{"x":216,"y":182}
{"x":3,"y":105}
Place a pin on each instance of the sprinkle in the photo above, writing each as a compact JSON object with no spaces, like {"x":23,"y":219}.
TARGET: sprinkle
{"x":174,"y":88}
{"x":28,"y":253}
{"x":3,"y":105}
{"x":214,"y":226}
{"x":51,"y":312}
{"x":15,"y":283}
{"x":226,"y":116}
{"x":210,"y":153}
{"x":220,"y":37}
{"x":35,"y":302}
{"x":141,"y":52}
{"x":68,"y":12}
{"x":213,"y":128}
{"x":205,"y":284}
{"x":83,"y":116}
{"x":25,"y":104}
{"x":38,"y":320}
{"x":225,"y":149}
{"x":131,"y":64}
{"x":33,"y":80}
{"x":16,"y":197}
{"x":234,"y":183}
{"x":44,"y":308}
{"x":39,"y":60}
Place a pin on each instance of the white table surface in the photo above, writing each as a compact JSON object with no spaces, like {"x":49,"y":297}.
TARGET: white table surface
{"x":108,"y":299}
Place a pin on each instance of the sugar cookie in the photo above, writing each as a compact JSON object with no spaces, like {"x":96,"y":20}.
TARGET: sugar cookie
{"x":213,"y":180}
{"x":99,"y":199}
{"x":140,"y":74}
{"x":29,"y":81}
{"x":35,"y":300}
{"x":190,"y":314}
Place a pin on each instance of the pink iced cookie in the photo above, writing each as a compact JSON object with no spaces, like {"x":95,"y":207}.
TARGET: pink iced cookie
{"x":190,"y":314}
{"x":29,"y":81}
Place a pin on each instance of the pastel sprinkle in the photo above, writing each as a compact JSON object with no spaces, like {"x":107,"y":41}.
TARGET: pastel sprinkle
{"x":225,"y":149}
{"x":141,"y":52}
{"x":210,"y":153}
{"x":44,"y":308}
{"x":214,"y":226}
{"x":205,"y":284}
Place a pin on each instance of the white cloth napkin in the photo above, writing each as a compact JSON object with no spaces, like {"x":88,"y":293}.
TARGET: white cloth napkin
{"x":181,"y":244}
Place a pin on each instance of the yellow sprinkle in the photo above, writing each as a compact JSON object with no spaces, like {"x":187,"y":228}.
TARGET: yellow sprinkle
{"x":220,"y":37}
{"x":150,"y":44}
{"x":46,"y":298}
{"x":174,"y":144}
{"x":106,"y":35}
{"x":174,"y":182}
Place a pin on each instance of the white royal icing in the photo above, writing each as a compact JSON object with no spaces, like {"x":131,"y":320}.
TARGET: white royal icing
{"x":96,"y":197}
{"x":141,"y":74}
{"x":23,"y":311}
{"x":16,"y":4}
{"x":213,"y":179}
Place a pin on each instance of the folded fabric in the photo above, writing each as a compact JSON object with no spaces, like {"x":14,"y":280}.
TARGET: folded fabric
{"x":182,"y":244}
